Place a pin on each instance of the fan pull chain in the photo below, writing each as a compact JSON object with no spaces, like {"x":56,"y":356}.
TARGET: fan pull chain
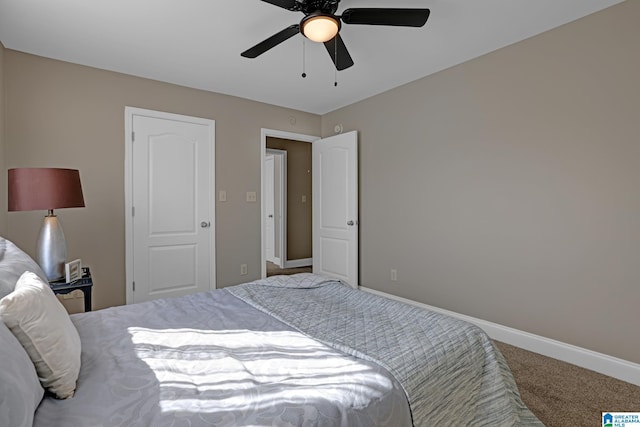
{"x":335,"y":70}
{"x":304,"y":74}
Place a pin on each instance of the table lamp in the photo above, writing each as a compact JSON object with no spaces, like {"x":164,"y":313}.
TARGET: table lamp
{"x":47,"y":188}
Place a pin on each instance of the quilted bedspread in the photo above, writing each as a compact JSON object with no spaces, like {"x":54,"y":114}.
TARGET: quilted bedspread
{"x":450,"y":370}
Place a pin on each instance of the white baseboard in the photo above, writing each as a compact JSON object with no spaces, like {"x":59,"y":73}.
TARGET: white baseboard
{"x":295,"y":263}
{"x":612,"y":366}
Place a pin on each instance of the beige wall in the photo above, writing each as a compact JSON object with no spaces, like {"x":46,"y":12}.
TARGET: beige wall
{"x":65,"y":115}
{"x":506,"y":188}
{"x":3,"y":173}
{"x":299,"y":213}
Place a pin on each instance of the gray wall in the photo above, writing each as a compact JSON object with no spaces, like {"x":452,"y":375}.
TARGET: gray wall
{"x":65,"y":115}
{"x":506,"y":188}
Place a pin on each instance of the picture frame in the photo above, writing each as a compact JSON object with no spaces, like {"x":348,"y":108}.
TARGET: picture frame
{"x":73,"y":270}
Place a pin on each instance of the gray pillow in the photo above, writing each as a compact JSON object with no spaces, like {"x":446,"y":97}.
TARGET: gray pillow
{"x":14,"y":262}
{"x":20,"y":390}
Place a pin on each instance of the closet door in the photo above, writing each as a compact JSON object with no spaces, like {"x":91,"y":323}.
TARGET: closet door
{"x":172,"y":247}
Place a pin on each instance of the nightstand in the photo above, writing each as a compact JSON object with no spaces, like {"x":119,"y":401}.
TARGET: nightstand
{"x":84,"y":284}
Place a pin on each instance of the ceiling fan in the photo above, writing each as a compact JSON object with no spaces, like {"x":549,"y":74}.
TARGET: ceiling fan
{"x":322,"y":25}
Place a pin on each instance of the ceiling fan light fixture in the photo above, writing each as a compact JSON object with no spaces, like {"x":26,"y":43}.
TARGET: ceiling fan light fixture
{"x":320,"y":27}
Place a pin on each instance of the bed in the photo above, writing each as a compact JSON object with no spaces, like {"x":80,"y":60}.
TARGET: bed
{"x":300,"y":350}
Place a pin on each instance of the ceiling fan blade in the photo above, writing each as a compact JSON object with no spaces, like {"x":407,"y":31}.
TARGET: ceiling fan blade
{"x":383,"y":16}
{"x":344,"y":60}
{"x":271,"y":42}
{"x":286,"y":4}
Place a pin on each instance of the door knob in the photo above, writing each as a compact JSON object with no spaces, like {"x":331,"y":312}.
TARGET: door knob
{"x":270,"y":216}
{"x":350,"y":223}
{"x":205,"y":224}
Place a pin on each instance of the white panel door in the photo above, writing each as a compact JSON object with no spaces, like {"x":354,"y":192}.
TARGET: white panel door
{"x":172,"y":187}
{"x":269,"y":196}
{"x":335,"y":207}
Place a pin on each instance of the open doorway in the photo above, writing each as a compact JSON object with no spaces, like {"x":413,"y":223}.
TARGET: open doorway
{"x":287,"y":211}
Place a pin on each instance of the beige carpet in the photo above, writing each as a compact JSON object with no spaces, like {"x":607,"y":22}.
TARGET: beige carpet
{"x":274,"y":270}
{"x":561,"y":394}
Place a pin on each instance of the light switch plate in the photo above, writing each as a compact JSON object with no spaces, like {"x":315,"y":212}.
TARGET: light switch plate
{"x":251,"y":196}
{"x":222,"y":196}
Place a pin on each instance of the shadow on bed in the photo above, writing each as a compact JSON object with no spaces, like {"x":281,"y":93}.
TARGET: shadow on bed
{"x":210,"y":359}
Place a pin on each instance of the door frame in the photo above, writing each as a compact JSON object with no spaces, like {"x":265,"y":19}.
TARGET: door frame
{"x":269,"y":199}
{"x":129,"y":113}
{"x":264,"y":134}
{"x":281,"y":221}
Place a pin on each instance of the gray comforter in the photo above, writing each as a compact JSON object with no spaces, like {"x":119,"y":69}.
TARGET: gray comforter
{"x":210,"y":359}
{"x":450,"y":370}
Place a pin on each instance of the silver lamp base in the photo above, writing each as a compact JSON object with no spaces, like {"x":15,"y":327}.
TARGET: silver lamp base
{"x":51,"y":248}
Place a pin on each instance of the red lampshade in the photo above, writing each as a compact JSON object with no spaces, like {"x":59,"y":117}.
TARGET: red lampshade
{"x":44,"y":188}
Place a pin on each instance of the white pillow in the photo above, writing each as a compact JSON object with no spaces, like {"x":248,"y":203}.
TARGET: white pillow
{"x":43,"y":327}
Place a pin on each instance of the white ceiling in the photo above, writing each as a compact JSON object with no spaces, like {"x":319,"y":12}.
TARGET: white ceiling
{"x":197,"y":43}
